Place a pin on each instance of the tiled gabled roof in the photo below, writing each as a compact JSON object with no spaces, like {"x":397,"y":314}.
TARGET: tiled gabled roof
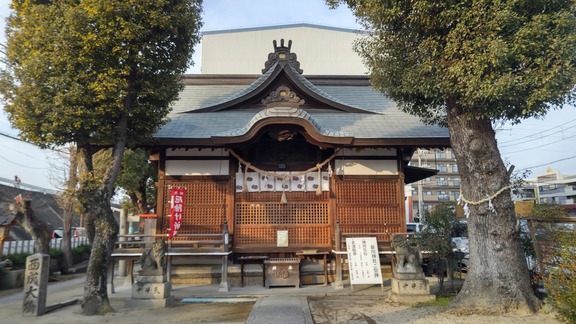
{"x":335,"y":110}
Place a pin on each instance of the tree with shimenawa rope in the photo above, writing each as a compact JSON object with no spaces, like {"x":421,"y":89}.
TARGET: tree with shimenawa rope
{"x":96,"y":72}
{"x":467,"y":64}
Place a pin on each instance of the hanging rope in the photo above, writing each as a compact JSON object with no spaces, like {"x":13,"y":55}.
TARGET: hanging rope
{"x":284,"y":176}
{"x":319,"y":189}
{"x":465,"y":202}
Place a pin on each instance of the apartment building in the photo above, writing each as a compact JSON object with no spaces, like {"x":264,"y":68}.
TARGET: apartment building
{"x":441,"y":188}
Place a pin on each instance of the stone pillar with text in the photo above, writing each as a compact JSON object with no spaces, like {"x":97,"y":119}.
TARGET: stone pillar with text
{"x":35,"y":284}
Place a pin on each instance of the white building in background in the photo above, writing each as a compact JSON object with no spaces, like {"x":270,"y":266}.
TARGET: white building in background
{"x":553,"y":187}
{"x":306,"y":40}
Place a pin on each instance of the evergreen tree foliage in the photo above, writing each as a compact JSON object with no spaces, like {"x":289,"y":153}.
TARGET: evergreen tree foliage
{"x":466,"y":64}
{"x":96,"y":72}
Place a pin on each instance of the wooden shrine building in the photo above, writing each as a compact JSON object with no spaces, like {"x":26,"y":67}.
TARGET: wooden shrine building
{"x":287,"y":160}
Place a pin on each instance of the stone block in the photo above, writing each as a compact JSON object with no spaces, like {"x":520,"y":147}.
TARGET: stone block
{"x":146,"y":290}
{"x":10,"y":279}
{"x":410,"y":286}
{"x":410,"y":291}
{"x":149,"y":303}
{"x":411,"y":299}
{"x":152,"y":279}
{"x":409,"y":275}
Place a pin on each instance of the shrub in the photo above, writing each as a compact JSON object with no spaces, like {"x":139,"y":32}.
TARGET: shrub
{"x":18,"y":260}
{"x":55,"y":254}
{"x":80,"y":253}
{"x":556,"y":244}
{"x":82,"y":249}
{"x":436,"y":235}
{"x":561,"y":271}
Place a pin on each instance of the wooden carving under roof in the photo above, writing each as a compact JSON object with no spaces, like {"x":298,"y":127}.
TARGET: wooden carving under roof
{"x":284,"y":97}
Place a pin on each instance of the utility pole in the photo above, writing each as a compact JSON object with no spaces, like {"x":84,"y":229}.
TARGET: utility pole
{"x":420,"y":189}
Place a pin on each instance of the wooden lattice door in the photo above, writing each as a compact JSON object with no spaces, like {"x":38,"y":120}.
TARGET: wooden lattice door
{"x":204,"y":206}
{"x":260,"y":215}
{"x":370,"y":207}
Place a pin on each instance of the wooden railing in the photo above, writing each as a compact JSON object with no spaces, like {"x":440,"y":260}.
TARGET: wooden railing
{"x":131,"y":247}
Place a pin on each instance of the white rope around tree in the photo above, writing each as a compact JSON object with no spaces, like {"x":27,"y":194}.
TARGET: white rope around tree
{"x":465,"y":202}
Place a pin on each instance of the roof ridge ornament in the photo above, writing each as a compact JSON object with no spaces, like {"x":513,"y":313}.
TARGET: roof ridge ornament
{"x":282,"y":54}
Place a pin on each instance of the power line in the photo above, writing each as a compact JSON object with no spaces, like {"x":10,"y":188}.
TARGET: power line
{"x":14,"y":150}
{"x":12,"y":137}
{"x":24,"y":166}
{"x":548,"y":163}
{"x":531,"y":148}
{"x":560,"y":131}
{"x":544,"y":131}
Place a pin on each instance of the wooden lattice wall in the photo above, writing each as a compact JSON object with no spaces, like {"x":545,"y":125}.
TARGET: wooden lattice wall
{"x":367,"y":206}
{"x":204,"y":209}
{"x":259,"y":216}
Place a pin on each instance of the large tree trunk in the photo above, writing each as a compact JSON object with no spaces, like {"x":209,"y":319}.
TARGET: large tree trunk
{"x":95,"y":197}
{"x":67,"y":202}
{"x":34,"y":226}
{"x":498,"y":278}
{"x":138,"y":198}
{"x":95,"y":299}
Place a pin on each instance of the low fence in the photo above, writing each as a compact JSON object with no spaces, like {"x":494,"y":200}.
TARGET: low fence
{"x":13,"y":247}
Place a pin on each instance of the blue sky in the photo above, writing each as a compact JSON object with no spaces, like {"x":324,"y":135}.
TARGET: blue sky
{"x":534,"y":144}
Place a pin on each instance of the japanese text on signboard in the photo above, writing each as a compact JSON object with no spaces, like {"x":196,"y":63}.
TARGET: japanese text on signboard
{"x":363,"y":260}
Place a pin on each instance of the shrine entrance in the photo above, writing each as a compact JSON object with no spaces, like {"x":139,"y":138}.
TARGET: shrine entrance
{"x":282,"y":199}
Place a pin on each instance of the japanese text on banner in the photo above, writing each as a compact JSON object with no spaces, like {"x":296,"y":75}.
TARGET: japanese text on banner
{"x":177,"y":196}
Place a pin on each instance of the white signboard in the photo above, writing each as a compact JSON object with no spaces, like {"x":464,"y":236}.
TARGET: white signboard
{"x":363,"y":261}
{"x":282,"y":238}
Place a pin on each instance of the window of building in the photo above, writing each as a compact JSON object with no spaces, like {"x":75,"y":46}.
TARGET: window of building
{"x":443,"y":196}
{"x":454,"y":181}
{"x":441,"y":181}
{"x":442,"y":168}
{"x":452,"y":168}
{"x":440,"y":155}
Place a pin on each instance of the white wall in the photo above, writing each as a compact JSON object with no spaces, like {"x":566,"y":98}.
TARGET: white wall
{"x":366,"y":167}
{"x":320,"y":51}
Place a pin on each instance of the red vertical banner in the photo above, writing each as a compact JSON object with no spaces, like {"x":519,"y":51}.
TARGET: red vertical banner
{"x":177,"y":196}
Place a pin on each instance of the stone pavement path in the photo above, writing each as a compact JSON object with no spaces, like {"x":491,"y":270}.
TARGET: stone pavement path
{"x":280,"y":310}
